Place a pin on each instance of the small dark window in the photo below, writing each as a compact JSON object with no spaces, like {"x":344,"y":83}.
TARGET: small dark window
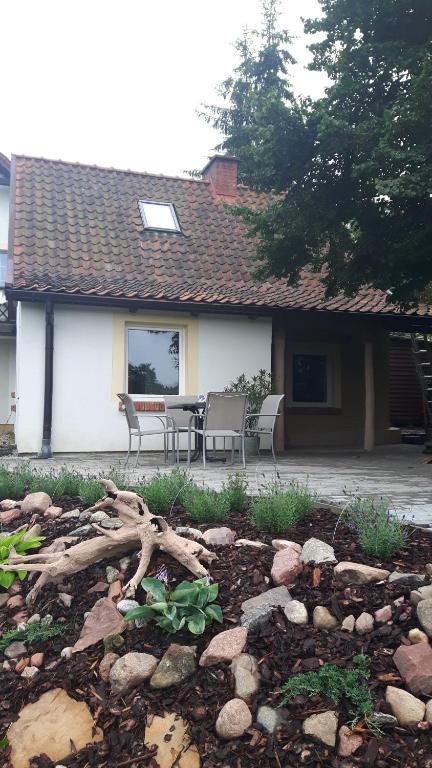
{"x":153,"y":361}
{"x":309,"y":378}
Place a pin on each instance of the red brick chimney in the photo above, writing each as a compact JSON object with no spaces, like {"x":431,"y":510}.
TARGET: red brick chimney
{"x":221,"y":172}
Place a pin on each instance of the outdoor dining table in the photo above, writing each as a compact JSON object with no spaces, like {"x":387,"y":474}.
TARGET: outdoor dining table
{"x":195,"y":406}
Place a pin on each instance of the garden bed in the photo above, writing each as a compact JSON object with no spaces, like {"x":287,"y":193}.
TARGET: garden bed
{"x":280,"y":647}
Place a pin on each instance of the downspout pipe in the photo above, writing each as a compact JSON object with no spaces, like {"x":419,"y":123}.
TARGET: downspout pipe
{"x":46,"y":452}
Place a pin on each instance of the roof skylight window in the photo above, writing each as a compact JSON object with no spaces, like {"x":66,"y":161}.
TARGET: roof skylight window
{"x":160,"y":216}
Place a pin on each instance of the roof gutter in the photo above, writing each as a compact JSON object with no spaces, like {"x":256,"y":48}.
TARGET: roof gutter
{"x":46,"y":452}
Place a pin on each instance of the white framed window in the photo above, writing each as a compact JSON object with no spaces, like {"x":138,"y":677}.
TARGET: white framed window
{"x":159,"y":216}
{"x":313,"y":372}
{"x":154,"y":361}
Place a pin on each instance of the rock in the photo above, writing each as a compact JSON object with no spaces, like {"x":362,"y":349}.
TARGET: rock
{"x":349,"y":742}
{"x":123,"y":606}
{"x":16,"y":601}
{"x":250,"y":543}
{"x":357,"y":573}
{"x":219,"y":537}
{"x":233,"y":719}
{"x":85,"y":516}
{"x":22,"y":664}
{"x":37,"y":660}
{"x":55,"y":725}
{"x":111,"y":573}
{"x":9,"y":516}
{"x":424,"y":615}
{"x":279,"y":544}
{"x":15,"y":650}
{"x":36,"y":503}
{"x":296,"y":612}
{"x":115,"y":591}
{"x":348,"y":623}
{"x":83,"y":530}
{"x":417,"y":636}
{"x":224,"y":647}
{"x":100,"y":586}
{"x":34,"y":531}
{"x":322,"y":727}
{"x":246,"y":676}
{"x":105,"y":665}
{"x":268,"y":718}
{"x":111,"y":523}
{"x":29,"y":672}
{"x":364,"y":624}
{"x":124,"y":563}
{"x":177,"y":664}
{"x":73,"y":514}
{"x":66,"y":653}
{"x":131,"y":670}
{"x":323,"y":619}
{"x":286,"y":567}
{"x":8,"y":504}
{"x":406,"y":708}
{"x":33,"y":618}
{"x":407,"y":579}
{"x":256,"y":617}
{"x":422,"y":593}
{"x":170,"y":734}
{"x":428,"y":714}
{"x":103,"y":620}
{"x":52,"y":513}
{"x":20,"y":618}
{"x":414,"y":663}
{"x":428,"y":569}
{"x":97,"y":517}
{"x":317,"y":551}
{"x":278,"y":597}
{"x":187,"y":530}
{"x":4,"y":597}
{"x":384,"y":720}
{"x":383,"y":615}
{"x":65,"y":599}
{"x":113,"y":643}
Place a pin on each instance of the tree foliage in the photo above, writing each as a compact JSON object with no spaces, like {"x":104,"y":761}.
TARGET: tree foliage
{"x":352,"y":170}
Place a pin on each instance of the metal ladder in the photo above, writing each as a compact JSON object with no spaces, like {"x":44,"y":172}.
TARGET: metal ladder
{"x":422,"y":351}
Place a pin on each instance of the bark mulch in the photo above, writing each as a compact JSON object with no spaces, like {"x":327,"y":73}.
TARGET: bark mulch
{"x":280,"y":647}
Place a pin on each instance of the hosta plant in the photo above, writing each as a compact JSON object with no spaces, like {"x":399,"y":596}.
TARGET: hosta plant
{"x":190,"y":605}
{"x":18,"y":542}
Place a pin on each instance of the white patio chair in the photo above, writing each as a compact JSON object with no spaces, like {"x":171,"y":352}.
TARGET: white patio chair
{"x":266,"y":419}
{"x":180,"y":418}
{"x":136,"y":429}
{"x":225,"y":416}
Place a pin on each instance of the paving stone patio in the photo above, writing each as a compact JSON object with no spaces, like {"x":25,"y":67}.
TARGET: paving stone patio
{"x":400,"y":473}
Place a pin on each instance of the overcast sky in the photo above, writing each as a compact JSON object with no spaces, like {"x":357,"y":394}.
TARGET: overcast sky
{"x":118,"y":82}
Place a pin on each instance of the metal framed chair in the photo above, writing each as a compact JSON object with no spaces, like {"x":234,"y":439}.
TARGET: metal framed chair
{"x":225,"y":416}
{"x":136,"y":429}
{"x":180,"y":418}
{"x":266,"y":419}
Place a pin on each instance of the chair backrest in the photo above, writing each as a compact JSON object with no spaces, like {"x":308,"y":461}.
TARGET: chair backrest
{"x":180,"y":417}
{"x":268,"y":412}
{"x":131,"y":414}
{"x":225,"y":410}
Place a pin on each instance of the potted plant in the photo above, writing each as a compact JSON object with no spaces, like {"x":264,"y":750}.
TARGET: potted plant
{"x":256,"y":388}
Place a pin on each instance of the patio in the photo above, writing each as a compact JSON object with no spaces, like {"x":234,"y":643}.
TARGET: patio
{"x":398,"y":472}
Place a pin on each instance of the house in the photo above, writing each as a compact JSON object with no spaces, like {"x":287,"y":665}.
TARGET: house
{"x":7,"y":325}
{"x":126,"y":281}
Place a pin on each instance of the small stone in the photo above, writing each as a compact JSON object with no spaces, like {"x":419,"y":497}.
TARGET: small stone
{"x":382,"y":615}
{"x":187,"y":530}
{"x":422,"y":593}
{"x":52,"y":513}
{"x":256,"y":617}
{"x":219,"y":537}
{"x":414,"y":663}
{"x":20,"y":617}
{"x":97,"y":517}
{"x":279,"y":544}
{"x":233,"y":719}
{"x":407,"y":579}
{"x":83,"y":530}
{"x":6,"y":666}
{"x":100,"y":586}
{"x":383,"y":720}
{"x":112,"y":523}
{"x":111,"y":574}
{"x":106,"y":664}
{"x":65,"y":599}
{"x":323,"y":619}
{"x":349,"y":742}
{"x":428,"y":714}
{"x":317,"y":551}
{"x":4,"y":597}
{"x":278,"y":597}
{"x":250,"y":543}
{"x":286,"y":567}
{"x":131,"y":670}
{"x":177,"y":664}
{"x":408,"y":710}
{"x":22,"y":664}
{"x":125,"y":605}
{"x":33,"y":532}
{"x":113,"y":643}
{"x":16,"y":601}
{"x":36,"y":503}
{"x":30,"y":672}
{"x":428,"y":569}
{"x":73,"y":514}
{"x":115,"y":590}
{"x":322,"y":727}
{"x":417,"y":636}
{"x":104,"y":620}
{"x":8,"y":504}
{"x":296,"y":612}
{"x":9,"y":516}
{"x":37,"y":660}
{"x":364,"y":624}
{"x":357,"y":573}
{"x":424,"y":615}
{"x":66,"y":653}
{"x":268,"y":718}
{"x":170,"y":735}
{"x":15,"y":650}
{"x":85,"y":516}
{"x":348,"y":623}
{"x":33,"y":618}
{"x":224,"y":647}
{"x":246,"y":676}
{"x":124,"y":563}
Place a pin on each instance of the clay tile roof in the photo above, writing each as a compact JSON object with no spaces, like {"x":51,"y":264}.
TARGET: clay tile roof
{"x":78,"y":230}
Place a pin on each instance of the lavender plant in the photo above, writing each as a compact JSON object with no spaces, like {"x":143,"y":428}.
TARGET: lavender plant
{"x":380,"y":532}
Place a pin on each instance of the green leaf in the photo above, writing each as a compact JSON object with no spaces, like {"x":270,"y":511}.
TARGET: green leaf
{"x":142,"y":612}
{"x":202,"y":597}
{"x":7,"y":578}
{"x":214,"y":612}
{"x":170,"y":612}
{"x":165,"y":624}
{"x":213,"y":592}
{"x":4,"y":743}
{"x":155,"y":588}
{"x":22,"y":575}
{"x":159,"y":607}
{"x":197,"y":625}
{"x":185,"y":593}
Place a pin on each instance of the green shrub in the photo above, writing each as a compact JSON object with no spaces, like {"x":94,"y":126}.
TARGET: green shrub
{"x":162,"y":492}
{"x":380,"y":533}
{"x":36,"y":632}
{"x":278,"y":507}
{"x":206,"y":506}
{"x":336,"y":684}
{"x":235,"y":489}
{"x":14,"y":482}
{"x":191,"y":604}
{"x":22,"y":546}
{"x":89,"y":490}
{"x":56,"y":485}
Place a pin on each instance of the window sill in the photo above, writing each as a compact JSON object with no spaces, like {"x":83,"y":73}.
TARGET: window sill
{"x":152,"y":406}
{"x":317,"y":410}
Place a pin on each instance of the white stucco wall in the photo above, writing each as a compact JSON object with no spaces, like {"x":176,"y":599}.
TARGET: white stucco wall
{"x":4,"y":217}
{"x":7,"y":379}
{"x":85,"y":414}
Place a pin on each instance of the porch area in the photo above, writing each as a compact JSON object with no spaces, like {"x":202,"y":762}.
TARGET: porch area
{"x":398,"y":472}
